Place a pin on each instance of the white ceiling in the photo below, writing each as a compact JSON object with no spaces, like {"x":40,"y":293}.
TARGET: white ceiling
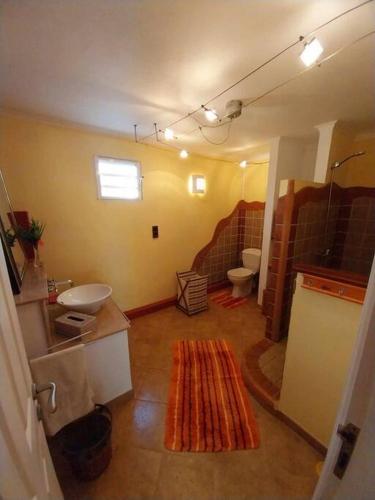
{"x":113,"y":63}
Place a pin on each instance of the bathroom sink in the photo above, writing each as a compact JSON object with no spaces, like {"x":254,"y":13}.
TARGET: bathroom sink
{"x":85,"y":298}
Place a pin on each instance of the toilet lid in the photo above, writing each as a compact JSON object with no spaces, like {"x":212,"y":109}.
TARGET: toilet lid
{"x":240,"y":272}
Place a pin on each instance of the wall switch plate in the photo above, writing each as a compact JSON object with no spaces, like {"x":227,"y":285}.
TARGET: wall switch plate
{"x":155,"y":231}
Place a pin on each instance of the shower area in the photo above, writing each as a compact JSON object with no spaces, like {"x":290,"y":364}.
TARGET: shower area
{"x":331,"y":227}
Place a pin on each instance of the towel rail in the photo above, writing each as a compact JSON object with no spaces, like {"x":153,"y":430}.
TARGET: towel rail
{"x":77,"y":337}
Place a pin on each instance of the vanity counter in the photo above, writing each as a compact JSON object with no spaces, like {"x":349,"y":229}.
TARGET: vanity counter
{"x":34,"y":286}
{"x":32,"y":310}
{"x":106,"y":350}
{"x":110,"y":320}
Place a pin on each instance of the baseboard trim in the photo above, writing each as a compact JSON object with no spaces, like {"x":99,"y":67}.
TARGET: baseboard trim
{"x":171,"y":301}
{"x":150,"y":308}
{"x":123,"y":398}
{"x":269,"y":405}
{"x":304,"y":434}
{"x":218,"y":286}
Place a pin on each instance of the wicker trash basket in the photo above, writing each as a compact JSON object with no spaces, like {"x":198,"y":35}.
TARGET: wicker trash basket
{"x":192,"y":292}
{"x":86,"y":443}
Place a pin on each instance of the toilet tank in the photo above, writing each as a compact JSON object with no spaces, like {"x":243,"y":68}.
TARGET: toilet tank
{"x":251,"y":258}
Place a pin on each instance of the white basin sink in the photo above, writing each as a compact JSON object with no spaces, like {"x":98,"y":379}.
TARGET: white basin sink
{"x":85,"y":298}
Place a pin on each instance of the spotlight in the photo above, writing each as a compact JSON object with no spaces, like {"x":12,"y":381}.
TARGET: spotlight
{"x":168,"y":134}
{"x":183,"y":153}
{"x":311,"y":52}
{"x":210,"y":114}
{"x":243,"y":164}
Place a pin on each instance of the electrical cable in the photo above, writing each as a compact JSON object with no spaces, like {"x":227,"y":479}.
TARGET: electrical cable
{"x":213,"y":142}
{"x":261,"y":66}
{"x":322,"y":61}
{"x":295,"y":76}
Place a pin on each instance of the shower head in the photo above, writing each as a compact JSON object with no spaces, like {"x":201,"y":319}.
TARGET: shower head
{"x":338,"y":164}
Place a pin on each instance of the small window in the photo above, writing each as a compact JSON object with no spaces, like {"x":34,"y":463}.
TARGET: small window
{"x":118,"y":179}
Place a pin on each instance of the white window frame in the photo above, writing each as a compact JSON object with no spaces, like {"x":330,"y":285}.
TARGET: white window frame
{"x":119,"y":198}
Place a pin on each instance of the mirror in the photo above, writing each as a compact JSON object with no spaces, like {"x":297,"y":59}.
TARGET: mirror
{"x":14,"y":255}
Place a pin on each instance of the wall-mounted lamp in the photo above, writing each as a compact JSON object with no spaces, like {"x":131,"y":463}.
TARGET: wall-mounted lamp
{"x":243,"y":164}
{"x":198,"y":184}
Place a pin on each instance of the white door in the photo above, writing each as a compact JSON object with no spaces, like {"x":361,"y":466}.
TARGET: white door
{"x":26,"y":466}
{"x":357,"y":407}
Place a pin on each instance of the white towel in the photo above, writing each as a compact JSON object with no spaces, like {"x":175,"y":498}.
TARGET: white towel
{"x":74,"y":396}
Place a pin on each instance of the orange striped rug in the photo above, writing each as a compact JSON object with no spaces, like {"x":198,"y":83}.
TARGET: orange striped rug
{"x":208,"y":407}
{"x":226,"y":300}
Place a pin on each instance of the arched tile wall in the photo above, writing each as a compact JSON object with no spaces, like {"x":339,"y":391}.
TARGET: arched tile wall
{"x":243,"y":228}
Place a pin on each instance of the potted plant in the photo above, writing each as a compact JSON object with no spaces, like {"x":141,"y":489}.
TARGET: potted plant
{"x":10,"y":237}
{"x":33,"y":234}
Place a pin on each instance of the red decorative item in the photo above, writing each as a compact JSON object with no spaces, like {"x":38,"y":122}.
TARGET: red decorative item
{"x":23,"y":221}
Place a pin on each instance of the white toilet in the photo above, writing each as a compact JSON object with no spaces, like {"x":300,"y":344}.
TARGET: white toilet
{"x":243,"y":277}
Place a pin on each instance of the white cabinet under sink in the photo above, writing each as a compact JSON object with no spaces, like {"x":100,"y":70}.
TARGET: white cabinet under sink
{"x":107,"y":350}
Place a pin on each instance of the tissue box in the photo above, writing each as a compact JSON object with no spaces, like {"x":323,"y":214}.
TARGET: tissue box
{"x":72,"y":324}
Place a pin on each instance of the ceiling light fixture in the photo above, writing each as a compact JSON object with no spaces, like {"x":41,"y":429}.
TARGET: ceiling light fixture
{"x":183,"y":153}
{"x":210,"y":115}
{"x":311,"y":52}
{"x":168,"y":134}
{"x":243,"y":164}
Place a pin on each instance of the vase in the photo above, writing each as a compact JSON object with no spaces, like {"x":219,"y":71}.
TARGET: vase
{"x":36,"y":256}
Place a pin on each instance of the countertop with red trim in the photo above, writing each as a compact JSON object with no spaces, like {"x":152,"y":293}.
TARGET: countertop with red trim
{"x":339,"y":275}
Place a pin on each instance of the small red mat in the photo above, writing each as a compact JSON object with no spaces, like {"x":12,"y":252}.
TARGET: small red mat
{"x":226,"y":300}
{"x":208,"y":407}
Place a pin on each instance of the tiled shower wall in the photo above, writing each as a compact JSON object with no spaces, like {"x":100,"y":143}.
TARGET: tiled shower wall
{"x":355,"y":237}
{"x":242,"y":229}
{"x":350,"y":236}
{"x":350,"y":232}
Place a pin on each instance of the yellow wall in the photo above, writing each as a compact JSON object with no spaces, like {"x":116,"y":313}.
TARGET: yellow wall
{"x":320,"y":342}
{"x":358,"y":171}
{"x":49,"y":172}
{"x":255,"y":183}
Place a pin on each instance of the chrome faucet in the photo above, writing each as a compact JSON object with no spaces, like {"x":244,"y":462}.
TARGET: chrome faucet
{"x":53,"y":284}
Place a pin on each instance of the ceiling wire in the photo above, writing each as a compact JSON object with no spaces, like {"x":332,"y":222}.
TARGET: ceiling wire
{"x":212,"y":158}
{"x":300,"y":73}
{"x":266,"y":162}
{"x":261,"y":66}
{"x":280,"y":85}
{"x":205,"y":125}
{"x":213,"y":142}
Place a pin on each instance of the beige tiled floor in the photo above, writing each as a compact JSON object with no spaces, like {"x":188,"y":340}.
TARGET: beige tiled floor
{"x":283,"y":466}
{"x":272,"y":362}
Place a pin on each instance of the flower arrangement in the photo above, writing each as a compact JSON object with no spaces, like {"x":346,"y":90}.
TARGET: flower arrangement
{"x":33,"y":234}
{"x":10,"y":237}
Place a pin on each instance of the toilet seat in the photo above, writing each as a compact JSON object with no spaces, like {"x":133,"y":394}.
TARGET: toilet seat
{"x":240,"y":272}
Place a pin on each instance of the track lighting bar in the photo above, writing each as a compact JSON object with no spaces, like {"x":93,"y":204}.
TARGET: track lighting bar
{"x":268,"y":61}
